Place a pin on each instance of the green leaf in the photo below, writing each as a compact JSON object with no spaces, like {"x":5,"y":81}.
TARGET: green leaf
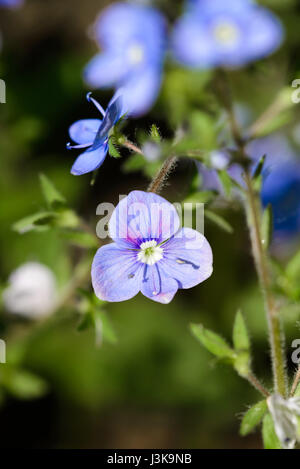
{"x":242,"y":364}
{"x":80,"y":238}
{"x":39,"y":221}
{"x":270,"y":438}
{"x":241,"y":344}
{"x":259,"y":167}
{"x":293,"y":267}
{"x":155,"y":134}
{"x":24,"y":384}
{"x":240,"y":334}
{"x":52,"y":196}
{"x":66,"y":218}
{"x":219,"y":221}
{"x":253,"y":417}
{"x":226,"y":182}
{"x":112,"y":148}
{"x":109,"y":333}
{"x":202,"y":197}
{"x":212,"y":342}
{"x":267,"y":226}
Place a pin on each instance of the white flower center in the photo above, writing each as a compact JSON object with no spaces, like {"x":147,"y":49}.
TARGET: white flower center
{"x":150,"y":253}
{"x":226,"y":33}
{"x":135,"y":54}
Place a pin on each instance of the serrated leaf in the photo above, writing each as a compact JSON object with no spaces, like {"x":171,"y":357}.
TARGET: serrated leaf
{"x":270,"y":439}
{"x":219,"y":221}
{"x":267,"y":226}
{"x":39,"y":221}
{"x":253,"y":417}
{"x":212,"y":342}
{"x":52,"y":196}
{"x":154,"y":133}
{"x":240,"y":334}
{"x":80,"y":238}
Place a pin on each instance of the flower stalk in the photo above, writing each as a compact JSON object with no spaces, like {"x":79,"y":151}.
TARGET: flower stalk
{"x":160,"y":179}
{"x":261,"y":262}
{"x":253,"y":214}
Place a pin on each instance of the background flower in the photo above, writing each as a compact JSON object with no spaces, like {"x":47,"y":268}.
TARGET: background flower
{"x":93,"y":134}
{"x":31,"y":292}
{"x":132,"y":38}
{"x":232,"y":33}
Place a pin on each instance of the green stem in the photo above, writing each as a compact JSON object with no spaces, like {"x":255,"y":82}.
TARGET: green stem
{"x":261,"y":262}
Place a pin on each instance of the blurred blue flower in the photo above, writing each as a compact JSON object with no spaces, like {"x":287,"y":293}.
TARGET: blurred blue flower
{"x":11,"y":3}
{"x":93,"y":134}
{"x":229,"y":33}
{"x":150,"y":252}
{"x":133,"y":42}
{"x":281,"y":180}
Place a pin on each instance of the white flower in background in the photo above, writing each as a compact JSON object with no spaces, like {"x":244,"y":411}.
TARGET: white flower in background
{"x":31,"y":292}
{"x":285,"y":413}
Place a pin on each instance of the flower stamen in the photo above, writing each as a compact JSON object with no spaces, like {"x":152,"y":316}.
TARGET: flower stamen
{"x":150,"y":252}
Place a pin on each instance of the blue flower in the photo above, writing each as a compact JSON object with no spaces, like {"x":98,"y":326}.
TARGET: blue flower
{"x":93,"y":134}
{"x":281,"y":180}
{"x":11,"y":3}
{"x":227,"y":33}
{"x":133,"y":41}
{"x":150,"y":252}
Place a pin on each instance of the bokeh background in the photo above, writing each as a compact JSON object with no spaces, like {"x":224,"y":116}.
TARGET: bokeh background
{"x":154,"y":387}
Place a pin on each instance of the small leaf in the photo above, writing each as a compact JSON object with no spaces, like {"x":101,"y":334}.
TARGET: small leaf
{"x":113,"y":150}
{"x":253,"y":417}
{"x":226,"y":182}
{"x":154,"y":133}
{"x":52,"y":196}
{"x":202,"y":197}
{"x":39,"y":221}
{"x":24,"y":384}
{"x":259,"y":168}
{"x":293,"y":267}
{"x":240,"y":334}
{"x":267,"y":226}
{"x":212,"y":342}
{"x":80,"y":238}
{"x":242,"y":363}
{"x":218,"y":220}
{"x":270,"y":438}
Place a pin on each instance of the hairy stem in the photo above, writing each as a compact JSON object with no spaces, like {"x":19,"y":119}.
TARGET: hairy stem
{"x":253,"y":213}
{"x":261,"y":262}
{"x":296,"y":382}
{"x":160,"y":179}
{"x":257,"y":384}
{"x":131,"y":146}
